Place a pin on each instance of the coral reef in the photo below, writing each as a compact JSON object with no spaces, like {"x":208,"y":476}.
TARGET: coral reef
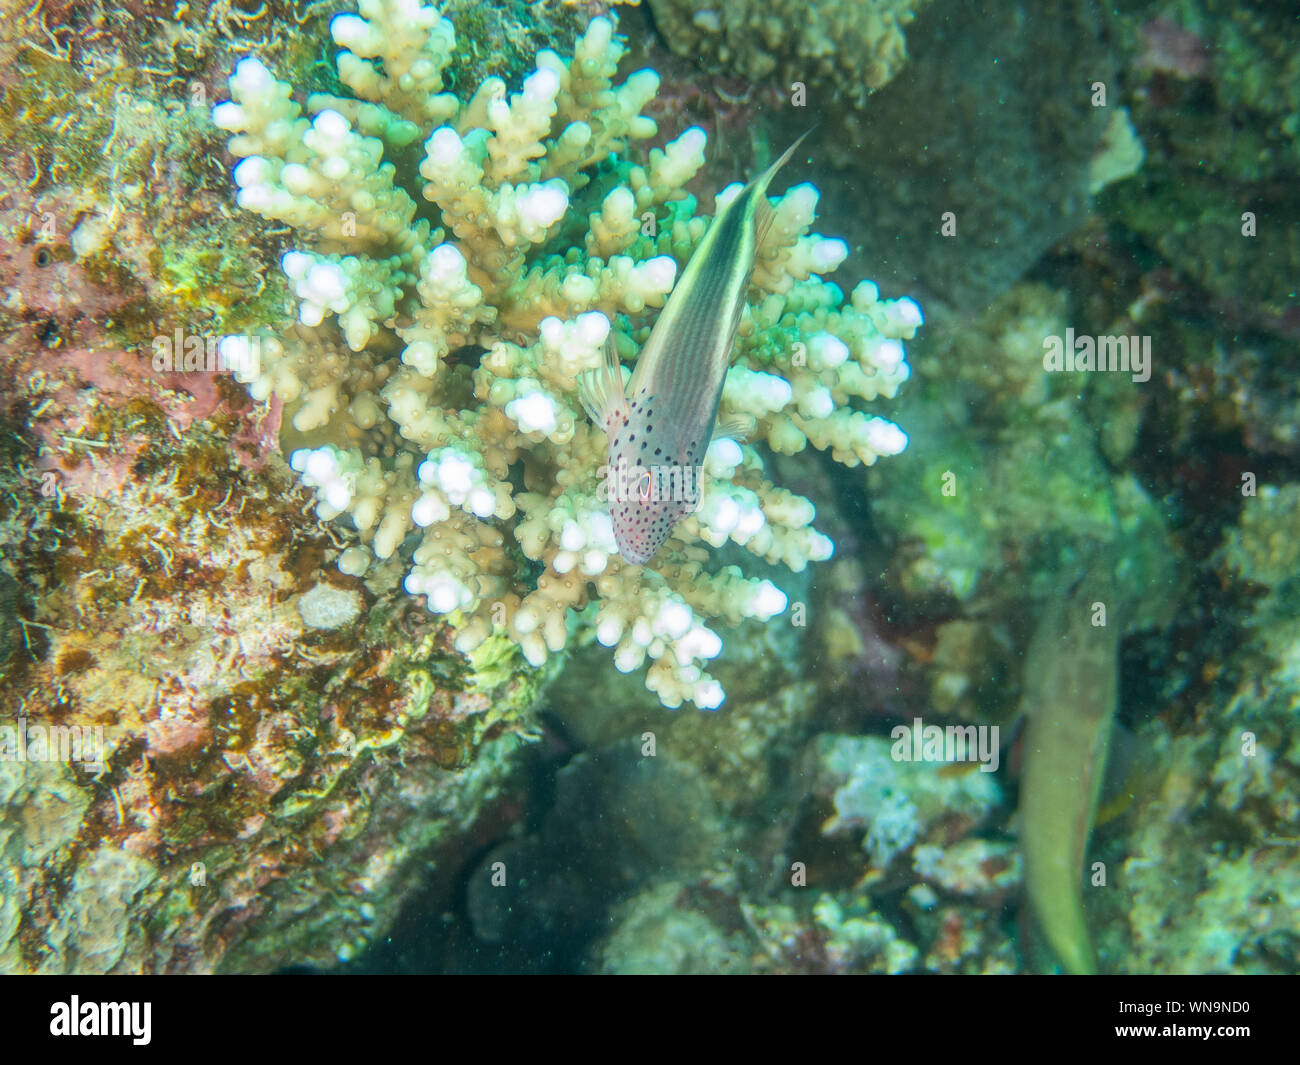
{"x":1212,"y":877}
{"x":981,"y":513}
{"x":547,"y":893}
{"x":854,"y":46}
{"x":243,"y":789}
{"x":321,"y":677}
{"x":895,"y":804}
{"x":654,"y":934}
{"x":637,"y":868}
{"x":1215,"y":87}
{"x":279,"y":754}
{"x":431,"y":380}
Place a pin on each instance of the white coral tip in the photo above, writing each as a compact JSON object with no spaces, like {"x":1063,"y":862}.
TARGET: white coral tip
{"x":661,"y":272}
{"x":572,"y":538}
{"x":885,"y":438}
{"x":828,"y":254}
{"x":768,"y":601}
{"x":229,"y":116}
{"x":887,"y":354}
{"x":542,"y":85}
{"x":709,"y":695}
{"x":295,"y":264}
{"x":828,"y":351}
{"x":349,"y":30}
{"x":693,"y":140}
{"x":444,"y":147}
{"x":541,"y":207}
{"x":674,"y":620}
{"x":482,"y":502}
{"x":251,"y":76}
{"x":908,"y":312}
{"x":593,"y":328}
{"x":533,"y":413}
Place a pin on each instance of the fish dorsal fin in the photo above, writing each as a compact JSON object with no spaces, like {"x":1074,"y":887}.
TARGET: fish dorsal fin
{"x":763,"y":219}
{"x":601,"y":391}
{"x":765,"y":215}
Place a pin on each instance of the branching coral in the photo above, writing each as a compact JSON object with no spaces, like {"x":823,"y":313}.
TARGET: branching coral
{"x":431,"y":378}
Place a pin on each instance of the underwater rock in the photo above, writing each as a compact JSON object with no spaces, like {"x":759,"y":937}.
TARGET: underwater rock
{"x":620,"y":818}
{"x":970,"y":509}
{"x":221,"y":768}
{"x":1209,"y":876}
{"x":927,"y":131}
{"x":972,"y":169}
{"x":193,"y":748}
{"x":654,"y":933}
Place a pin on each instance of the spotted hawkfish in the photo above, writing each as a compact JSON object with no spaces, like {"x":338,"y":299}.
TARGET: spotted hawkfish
{"x":660,"y":425}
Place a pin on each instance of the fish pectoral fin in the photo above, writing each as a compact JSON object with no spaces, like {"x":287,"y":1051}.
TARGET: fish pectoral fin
{"x":601,"y":391}
{"x":735,"y":427}
{"x":591,"y":395}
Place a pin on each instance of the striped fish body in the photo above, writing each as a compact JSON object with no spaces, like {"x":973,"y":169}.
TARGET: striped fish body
{"x":660,"y":428}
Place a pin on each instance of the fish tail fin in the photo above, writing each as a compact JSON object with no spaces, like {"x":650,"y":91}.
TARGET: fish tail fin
{"x":601,"y":391}
{"x":766,"y":214}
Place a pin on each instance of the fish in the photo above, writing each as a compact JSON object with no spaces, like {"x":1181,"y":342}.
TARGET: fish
{"x":660,"y":425}
{"x":1069,"y":697}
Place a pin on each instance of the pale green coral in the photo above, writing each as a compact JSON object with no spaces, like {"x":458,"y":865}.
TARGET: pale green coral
{"x":896,"y":802}
{"x":483,"y":483}
{"x":857,"y":46}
